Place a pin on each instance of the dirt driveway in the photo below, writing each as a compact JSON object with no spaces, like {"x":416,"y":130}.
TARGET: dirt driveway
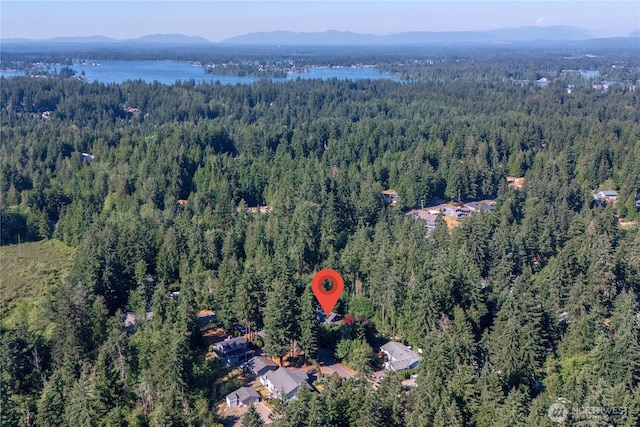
{"x":232,"y":417}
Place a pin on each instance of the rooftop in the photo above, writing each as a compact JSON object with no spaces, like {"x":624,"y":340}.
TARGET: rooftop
{"x":400,"y":356}
{"x":231,"y":344}
{"x":258,"y":363}
{"x":243,"y":393}
{"x":287,"y":380}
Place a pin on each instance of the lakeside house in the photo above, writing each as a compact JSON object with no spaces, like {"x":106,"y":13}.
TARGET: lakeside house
{"x":233,"y":351}
{"x":284,"y":383}
{"x":400,"y":357}
{"x":244,"y":396}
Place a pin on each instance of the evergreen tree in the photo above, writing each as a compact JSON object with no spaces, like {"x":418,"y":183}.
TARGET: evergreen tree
{"x":52,"y":401}
{"x":80,"y":406}
{"x":280,"y":316}
{"x":252,"y":418}
{"x":308,"y":325}
{"x":626,"y":340}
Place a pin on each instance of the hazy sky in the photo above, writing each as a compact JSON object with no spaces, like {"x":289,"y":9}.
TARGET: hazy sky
{"x":217,"y":20}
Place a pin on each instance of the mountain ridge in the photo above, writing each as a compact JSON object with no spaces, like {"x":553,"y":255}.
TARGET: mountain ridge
{"x":521,"y":34}
{"x":332,"y":38}
{"x":97,"y":39}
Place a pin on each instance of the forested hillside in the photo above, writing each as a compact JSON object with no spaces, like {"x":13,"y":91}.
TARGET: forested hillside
{"x":515,"y":309}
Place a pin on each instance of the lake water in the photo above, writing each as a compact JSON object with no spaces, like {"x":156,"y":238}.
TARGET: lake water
{"x":589,"y":73}
{"x":168,"y":72}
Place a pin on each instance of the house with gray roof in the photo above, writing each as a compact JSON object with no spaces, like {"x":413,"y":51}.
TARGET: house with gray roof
{"x":244,"y":396}
{"x":430,"y":217}
{"x":285,"y":383}
{"x":260,"y":365}
{"x":482,"y":207}
{"x":400,"y":357}
{"x":605,"y":196}
{"x":234,"y":351}
{"x":129,"y":320}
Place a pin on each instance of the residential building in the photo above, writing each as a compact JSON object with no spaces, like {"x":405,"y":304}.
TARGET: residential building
{"x":430,"y":217}
{"x":244,"y":396}
{"x":284,"y":383}
{"x":260,"y":365}
{"x":430,"y":221}
{"x":390,"y":197}
{"x":400,"y":357}
{"x":515,"y":182}
{"x":331,"y":318}
{"x":129,"y":320}
{"x":481,"y":206}
{"x":87,"y":157}
{"x":457,"y":211}
{"x":606,"y":196}
{"x":234,"y":351}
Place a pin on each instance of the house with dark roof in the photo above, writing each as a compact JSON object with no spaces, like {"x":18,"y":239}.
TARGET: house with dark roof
{"x":233,"y":351}
{"x":400,"y":357}
{"x":390,"y":197}
{"x":322,"y":317}
{"x":260,"y":365}
{"x":284,"y":383}
{"x":244,"y":396}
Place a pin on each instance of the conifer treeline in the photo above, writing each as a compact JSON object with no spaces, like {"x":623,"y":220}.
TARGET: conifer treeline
{"x":513,"y":309}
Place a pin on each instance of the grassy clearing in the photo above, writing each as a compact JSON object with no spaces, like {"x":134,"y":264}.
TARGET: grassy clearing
{"x":451,"y":222}
{"x":28,"y":273}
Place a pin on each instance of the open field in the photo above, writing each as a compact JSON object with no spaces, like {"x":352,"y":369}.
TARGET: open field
{"x":28,"y":272}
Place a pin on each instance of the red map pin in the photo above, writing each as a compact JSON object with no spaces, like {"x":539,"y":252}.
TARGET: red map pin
{"x":327,"y":298}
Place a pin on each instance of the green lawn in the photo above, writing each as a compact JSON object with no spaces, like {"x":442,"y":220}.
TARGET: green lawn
{"x":28,"y":273}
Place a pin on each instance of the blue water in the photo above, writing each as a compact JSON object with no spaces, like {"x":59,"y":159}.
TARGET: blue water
{"x":168,"y":72}
{"x":10,"y":73}
{"x":589,"y":73}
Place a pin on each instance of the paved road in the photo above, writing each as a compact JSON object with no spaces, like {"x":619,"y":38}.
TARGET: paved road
{"x":330,"y":365}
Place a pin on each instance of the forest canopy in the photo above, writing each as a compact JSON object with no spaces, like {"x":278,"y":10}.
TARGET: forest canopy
{"x":534,"y":303}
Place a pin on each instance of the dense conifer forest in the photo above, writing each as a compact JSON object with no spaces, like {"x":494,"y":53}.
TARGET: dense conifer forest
{"x":514,"y":310}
